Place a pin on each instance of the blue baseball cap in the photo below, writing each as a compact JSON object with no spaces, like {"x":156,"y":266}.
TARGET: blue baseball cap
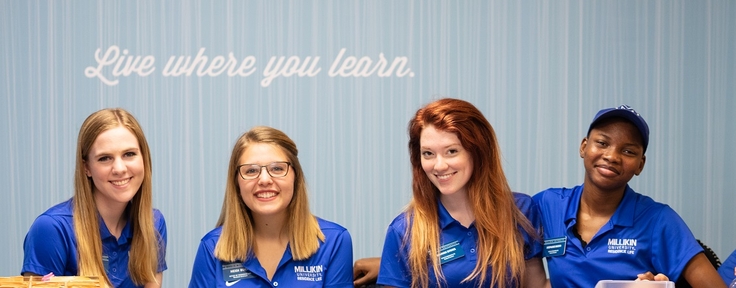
{"x":628,"y":113}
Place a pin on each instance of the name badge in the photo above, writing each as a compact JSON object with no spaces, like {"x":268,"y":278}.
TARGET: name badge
{"x":554,"y":247}
{"x":451,"y":252}
{"x":106,"y":262}
{"x":235,"y":272}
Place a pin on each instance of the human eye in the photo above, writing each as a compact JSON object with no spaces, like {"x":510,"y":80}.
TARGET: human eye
{"x":104,"y":158}
{"x":277,"y":167}
{"x":630,"y":152}
{"x":130,"y":154}
{"x":427,"y":154}
{"x":250,"y":170}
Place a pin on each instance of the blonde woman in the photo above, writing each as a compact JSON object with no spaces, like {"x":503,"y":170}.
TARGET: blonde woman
{"x":266,"y":236}
{"x":109,"y":228}
{"x":463,"y":227}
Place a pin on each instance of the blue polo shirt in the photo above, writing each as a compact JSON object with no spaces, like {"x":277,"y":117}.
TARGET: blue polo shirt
{"x":726,"y":269}
{"x":50,"y":246}
{"x":330,"y":266}
{"x":458,"y":254}
{"x":642,"y":235}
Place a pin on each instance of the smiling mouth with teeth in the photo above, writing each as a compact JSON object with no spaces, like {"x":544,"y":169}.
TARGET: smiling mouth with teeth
{"x":445,"y":176}
{"x":120,"y":182}
{"x":265,"y":195}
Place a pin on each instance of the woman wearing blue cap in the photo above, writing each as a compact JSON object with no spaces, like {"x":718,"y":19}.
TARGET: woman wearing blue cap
{"x":603,"y":229}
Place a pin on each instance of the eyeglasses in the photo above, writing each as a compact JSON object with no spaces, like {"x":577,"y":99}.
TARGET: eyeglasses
{"x":253,"y":171}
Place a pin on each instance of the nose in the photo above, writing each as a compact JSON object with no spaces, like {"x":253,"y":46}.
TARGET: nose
{"x":118,"y":166}
{"x":611,"y":155}
{"x":440,"y":164}
{"x":264,"y":178}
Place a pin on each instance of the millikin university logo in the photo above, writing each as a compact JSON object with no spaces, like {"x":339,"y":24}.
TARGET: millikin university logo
{"x":311,"y":273}
{"x":621,"y":246}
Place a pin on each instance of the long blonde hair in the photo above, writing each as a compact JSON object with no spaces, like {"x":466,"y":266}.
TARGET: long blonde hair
{"x":236,"y":240}
{"x":497,"y":218}
{"x":143,"y":261}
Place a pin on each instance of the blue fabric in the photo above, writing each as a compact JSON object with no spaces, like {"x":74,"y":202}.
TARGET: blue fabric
{"x":726,"y":268}
{"x":395,"y":270}
{"x":642,"y":235}
{"x":330,"y":266}
{"x":50,"y":246}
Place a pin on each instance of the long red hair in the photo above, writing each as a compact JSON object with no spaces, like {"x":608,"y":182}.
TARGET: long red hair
{"x":497,"y":218}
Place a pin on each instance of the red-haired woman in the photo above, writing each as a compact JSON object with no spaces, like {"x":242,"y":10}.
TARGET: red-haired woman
{"x":464,"y":227}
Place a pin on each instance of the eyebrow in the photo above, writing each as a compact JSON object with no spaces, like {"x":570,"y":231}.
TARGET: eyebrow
{"x":107,"y":152}
{"x":454,"y":145}
{"x":605,"y":135}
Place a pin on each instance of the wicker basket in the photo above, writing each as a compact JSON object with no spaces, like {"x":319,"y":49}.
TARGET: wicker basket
{"x":52,"y":282}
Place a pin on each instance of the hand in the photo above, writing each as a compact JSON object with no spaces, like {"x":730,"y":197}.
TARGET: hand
{"x":365,"y":271}
{"x":651,"y":277}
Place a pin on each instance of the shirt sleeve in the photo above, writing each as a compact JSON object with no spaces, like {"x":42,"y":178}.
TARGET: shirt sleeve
{"x":726,"y":269}
{"x":532,"y":243}
{"x":161,"y":227}
{"x":340,"y":272}
{"x":394,"y":269}
{"x":674,"y":244}
{"x":46,"y":247}
{"x":204,"y":268}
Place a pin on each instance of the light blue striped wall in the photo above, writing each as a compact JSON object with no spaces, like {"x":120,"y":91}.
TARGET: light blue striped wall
{"x":539,"y":70}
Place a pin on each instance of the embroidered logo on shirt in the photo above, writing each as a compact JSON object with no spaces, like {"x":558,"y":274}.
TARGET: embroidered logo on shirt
{"x":621,"y":246}
{"x":311,"y":273}
{"x":231,"y":283}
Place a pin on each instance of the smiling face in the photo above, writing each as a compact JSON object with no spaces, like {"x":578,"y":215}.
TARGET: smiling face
{"x":447,"y":164}
{"x":612,"y":154}
{"x":115,"y":165}
{"x":266,"y":195}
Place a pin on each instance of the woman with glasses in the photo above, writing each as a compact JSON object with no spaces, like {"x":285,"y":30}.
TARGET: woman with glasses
{"x":109,"y":228}
{"x":463,"y":227}
{"x":266,"y":236}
